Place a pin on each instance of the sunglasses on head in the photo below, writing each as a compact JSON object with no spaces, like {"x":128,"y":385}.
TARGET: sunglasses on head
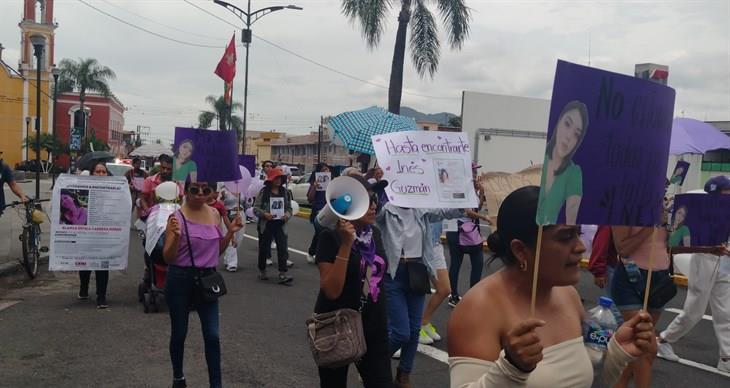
{"x":195,"y":190}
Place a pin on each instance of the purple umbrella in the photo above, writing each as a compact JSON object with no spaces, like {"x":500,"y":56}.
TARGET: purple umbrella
{"x":690,"y":136}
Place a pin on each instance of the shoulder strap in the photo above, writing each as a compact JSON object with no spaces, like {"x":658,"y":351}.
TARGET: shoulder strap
{"x":187,"y":236}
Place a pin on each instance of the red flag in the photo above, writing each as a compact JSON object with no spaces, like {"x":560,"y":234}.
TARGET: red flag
{"x":226,"y":68}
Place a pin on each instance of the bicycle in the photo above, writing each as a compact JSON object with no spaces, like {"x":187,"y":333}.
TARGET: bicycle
{"x":30,"y":238}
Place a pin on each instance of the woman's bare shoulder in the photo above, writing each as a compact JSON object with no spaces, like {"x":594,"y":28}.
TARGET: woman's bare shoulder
{"x":477,"y":323}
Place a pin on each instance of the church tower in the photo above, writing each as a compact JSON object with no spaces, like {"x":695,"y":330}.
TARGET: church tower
{"x":37,"y":21}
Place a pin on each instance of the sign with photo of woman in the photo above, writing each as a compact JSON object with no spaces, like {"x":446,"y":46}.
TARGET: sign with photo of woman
{"x":700,"y":220}
{"x":607,"y":150}
{"x":680,"y":173}
{"x":202,"y":155}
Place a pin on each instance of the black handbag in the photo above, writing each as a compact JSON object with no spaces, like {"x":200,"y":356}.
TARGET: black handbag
{"x":209,"y":284}
{"x":418,"y":278}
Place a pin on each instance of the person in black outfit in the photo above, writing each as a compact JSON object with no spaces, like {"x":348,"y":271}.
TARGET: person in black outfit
{"x":351,"y":259}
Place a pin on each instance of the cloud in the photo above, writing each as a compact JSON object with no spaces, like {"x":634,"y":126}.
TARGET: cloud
{"x":512,"y":49}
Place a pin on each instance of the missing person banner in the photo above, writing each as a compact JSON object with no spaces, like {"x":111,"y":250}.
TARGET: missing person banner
{"x":427,"y":169}
{"x":607,"y":149}
{"x":700,"y":220}
{"x":203,"y":155}
{"x":90,"y":222}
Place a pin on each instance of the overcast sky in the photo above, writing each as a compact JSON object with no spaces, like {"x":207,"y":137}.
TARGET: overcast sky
{"x":512,"y":49}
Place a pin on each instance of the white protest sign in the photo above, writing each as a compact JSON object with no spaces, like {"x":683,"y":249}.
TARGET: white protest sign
{"x":276,"y":206}
{"x":90,"y":220}
{"x":426,"y":169}
{"x":322,"y":179}
{"x":157,"y":224}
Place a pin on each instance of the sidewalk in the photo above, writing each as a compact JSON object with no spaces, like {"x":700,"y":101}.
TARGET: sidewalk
{"x":11,"y":225}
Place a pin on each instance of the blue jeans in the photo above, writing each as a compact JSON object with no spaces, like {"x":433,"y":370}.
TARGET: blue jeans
{"x":457,"y":257}
{"x":405,"y":311}
{"x":179,"y":295}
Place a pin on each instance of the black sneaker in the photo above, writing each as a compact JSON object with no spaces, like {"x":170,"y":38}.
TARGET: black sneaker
{"x":263,"y":276}
{"x":179,"y":383}
{"x":83,"y":295}
{"x":101,"y":302}
{"x":454,"y":300}
{"x":286,"y":280}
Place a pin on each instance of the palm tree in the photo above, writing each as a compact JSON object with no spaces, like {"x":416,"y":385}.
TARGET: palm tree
{"x":84,"y":75}
{"x":219,"y":111}
{"x":424,"y":43}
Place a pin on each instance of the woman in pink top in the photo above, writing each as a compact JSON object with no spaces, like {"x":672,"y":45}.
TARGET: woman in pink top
{"x":193,"y":243}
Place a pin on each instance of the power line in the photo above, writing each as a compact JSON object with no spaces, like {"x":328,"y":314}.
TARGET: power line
{"x":146,"y":30}
{"x":160,"y":23}
{"x":317,"y":63}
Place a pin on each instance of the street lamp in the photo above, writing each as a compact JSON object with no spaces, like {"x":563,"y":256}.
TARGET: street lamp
{"x":56,"y":73}
{"x":27,"y":134}
{"x":248,"y":18}
{"x":38,"y":44}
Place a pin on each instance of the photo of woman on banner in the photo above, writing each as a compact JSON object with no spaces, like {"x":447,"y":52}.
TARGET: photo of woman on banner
{"x":680,"y":235}
{"x":562,"y":179}
{"x":183,"y":165}
{"x":680,"y":172}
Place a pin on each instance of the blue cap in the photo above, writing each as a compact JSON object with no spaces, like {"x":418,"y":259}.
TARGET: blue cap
{"x":605,"y":301}
{"x":717,"y":184}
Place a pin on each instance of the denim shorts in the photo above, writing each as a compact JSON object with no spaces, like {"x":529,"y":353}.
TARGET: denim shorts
{"x":630,"y":296}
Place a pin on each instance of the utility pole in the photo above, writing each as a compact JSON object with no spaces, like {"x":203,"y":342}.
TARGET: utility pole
{"x":319,"y":140}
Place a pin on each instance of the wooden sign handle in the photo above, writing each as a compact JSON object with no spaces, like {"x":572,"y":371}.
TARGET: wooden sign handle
{"x":536,"y":270}
{"x":649,"y":270}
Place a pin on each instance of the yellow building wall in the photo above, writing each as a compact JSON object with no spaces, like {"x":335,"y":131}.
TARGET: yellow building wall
{"x":12,"y":120}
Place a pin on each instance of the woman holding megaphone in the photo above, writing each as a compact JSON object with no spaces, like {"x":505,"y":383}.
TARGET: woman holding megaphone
{"x":351,"y":259}
{"x":494,"y":340}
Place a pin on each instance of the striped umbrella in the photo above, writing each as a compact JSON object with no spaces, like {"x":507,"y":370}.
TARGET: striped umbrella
{"x":356,"y":128}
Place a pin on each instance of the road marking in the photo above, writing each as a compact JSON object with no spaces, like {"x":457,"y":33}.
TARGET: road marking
{"x":678,"y":311}
{"x":290,"y":249}
{"x":433,"y":352}
{"x":439,"y":355}
{"x":7,"y":304}
{"x":703,"y":367}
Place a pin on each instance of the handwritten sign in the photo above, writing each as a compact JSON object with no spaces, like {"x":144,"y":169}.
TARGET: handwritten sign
{"x":607,"y":149}
{"x":427,"y":169}
{"x":700,"y":220}
{"x":205,"y":156}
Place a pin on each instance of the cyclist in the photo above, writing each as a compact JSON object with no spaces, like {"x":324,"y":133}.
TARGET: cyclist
{"x":6,"y":176}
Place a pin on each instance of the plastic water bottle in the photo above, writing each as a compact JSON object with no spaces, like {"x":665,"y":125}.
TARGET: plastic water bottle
{"x":600,"y":326}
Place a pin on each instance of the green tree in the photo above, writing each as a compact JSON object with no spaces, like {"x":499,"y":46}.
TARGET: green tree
{"x":219,"y":111}
{"x":425,"y":47}
{"x":84,"y":75}
{"x":48,"y":142}
{"x":92,"y":140}
{"x":455,"y":121}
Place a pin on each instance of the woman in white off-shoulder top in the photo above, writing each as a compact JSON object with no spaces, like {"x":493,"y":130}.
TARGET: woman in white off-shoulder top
{"x":493,"y":341}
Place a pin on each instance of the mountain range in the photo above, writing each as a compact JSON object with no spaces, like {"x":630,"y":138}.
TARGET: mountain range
{"x":441,"y":118}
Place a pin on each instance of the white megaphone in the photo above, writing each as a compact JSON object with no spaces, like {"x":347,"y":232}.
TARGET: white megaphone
{"x":346,"y":199}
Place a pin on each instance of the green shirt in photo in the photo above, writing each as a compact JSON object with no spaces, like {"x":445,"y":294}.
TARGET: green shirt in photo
{"x":181,"y":172}
{"x":566,"y":184}
{"x":676,"y":238}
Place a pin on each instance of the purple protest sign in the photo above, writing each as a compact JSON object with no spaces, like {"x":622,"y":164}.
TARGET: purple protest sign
{"x":607,"y":150}
{"x":205,"y":156}
{"x":700,"y":220}
{"x":680,"y":173}
{"x":248,"y":161}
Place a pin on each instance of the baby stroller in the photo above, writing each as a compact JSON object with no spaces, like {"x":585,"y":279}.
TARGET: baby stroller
{"x":152,"y":286}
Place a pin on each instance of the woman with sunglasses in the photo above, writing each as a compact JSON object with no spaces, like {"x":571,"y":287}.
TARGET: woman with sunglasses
{"x":193,"y":244}
{"x":351,"y":258}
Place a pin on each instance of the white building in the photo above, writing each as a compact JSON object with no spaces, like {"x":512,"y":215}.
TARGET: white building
{"x":507,"y":133}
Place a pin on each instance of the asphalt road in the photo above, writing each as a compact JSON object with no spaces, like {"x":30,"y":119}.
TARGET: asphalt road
{"x":50,"y":339}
